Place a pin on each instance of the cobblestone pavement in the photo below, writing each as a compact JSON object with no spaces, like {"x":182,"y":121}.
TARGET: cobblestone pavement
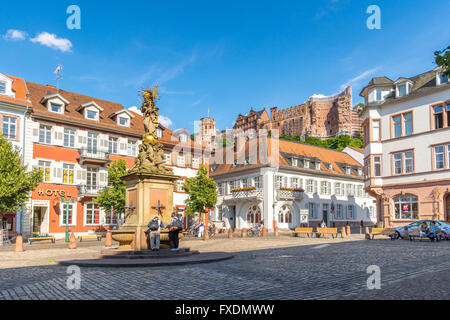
{"x":313,"y":270}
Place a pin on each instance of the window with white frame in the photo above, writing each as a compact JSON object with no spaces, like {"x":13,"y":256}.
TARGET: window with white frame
{"x":92,"y":142}
{"x":359,"y":191}
{"x":168,"y":159}
{"x":372,"y":213}
{"x":312,"y":210}
{"x":57,"y":108}
{"x":244,"y":183}
{"x":68,"y":173}
{"x":379,"y":96}
{"x":406,"y":207}
{"x":351,"y":212}
{"x":402,"y":90}
{"x":183,"y":138}
{"x":195,"y":163}
{"x":339,"y":212}
{"x":69,"y":138}
{"x":325,"y":187}
{"x":338,"y":188}
{"x":9,"y":127}
{"x":159,"y":133}
{"x":257,"y":182}
{"x":92,"y":214}
{"x":132,"y":148}
{"x":294,"y":183}
{"x":442,"y":78}
{"x":376,"y":130}
{"x":45,"y":134}
{"x":439,"y":157}
{"x":350,"y":189}
{"x":44,"y":166}
{"x":112,"y":145}
{"x":67,"y":217}
{"x":123,"y":121}
{"x":2,"y":87}
{"x":180,"y":185}
{"x":309,"y":185}
{"x":91,"y":114}
{"x":278,"y":182}
{"x":181,"y":160}
{"x":377,"y":166}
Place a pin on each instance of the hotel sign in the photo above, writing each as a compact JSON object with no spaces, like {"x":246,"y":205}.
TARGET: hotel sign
{"x":50,"y":192}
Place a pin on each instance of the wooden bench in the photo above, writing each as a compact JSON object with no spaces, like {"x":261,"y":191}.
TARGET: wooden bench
{"x":92,"y":236}
{"x":327,"y":231}
{"x":31,"y":240}
{"x":370,"y":235}
{"x":299,"y":231}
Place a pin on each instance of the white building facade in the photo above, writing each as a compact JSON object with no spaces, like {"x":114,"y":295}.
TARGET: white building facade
{"x":320,"y":183}
{"x":407,"y":147}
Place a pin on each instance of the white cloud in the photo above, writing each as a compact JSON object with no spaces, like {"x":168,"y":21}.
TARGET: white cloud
{"x":357,"y":80}
{"x":165,"y":121}
{"x":52,"y":41}
{"x":13,"y":34}
{"x":135,"y":109}
{"x":318,"y":96}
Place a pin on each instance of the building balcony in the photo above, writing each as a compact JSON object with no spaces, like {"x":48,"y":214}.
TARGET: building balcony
{"x":287,"y":194}
{"x":89,"y":191}
{"x":250,"y":194}
{"x":89,"y":155}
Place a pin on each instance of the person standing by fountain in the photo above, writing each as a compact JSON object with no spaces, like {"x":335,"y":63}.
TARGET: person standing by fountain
{"x":155,"y":226}
{"x":175,"y":226}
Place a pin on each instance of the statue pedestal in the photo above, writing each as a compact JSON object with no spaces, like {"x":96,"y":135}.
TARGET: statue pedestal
{"x":145,"y":192}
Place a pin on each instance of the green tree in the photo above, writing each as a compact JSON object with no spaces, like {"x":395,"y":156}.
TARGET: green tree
{"x":15,"y":182}
{"x":113,"y":197}
{"x":202,"y":192}
{"x":443,"y":60}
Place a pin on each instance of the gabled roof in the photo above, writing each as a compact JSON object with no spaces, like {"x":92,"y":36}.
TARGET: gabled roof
{"x":423,"y":84}
{"x":90,"y":104}
{"x":288,"y":149}
{"x":20,"y":90}
{"x":55,"y":95}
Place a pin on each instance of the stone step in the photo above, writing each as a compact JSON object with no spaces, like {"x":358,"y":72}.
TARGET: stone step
{"x":150,"y":255}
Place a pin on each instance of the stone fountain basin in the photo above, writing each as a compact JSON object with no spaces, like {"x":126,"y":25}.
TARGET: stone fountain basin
{"x":124,"y":237}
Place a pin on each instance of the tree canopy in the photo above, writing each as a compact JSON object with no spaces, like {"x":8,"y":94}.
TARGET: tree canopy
{"x":202,"y":192}
{"x":443,"y":60}
{"x":15,"y":182}
{"x":337,"y":143}
{"x":114,"y":196}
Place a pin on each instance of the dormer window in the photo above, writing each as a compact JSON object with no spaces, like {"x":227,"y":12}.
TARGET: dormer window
{"x":347,"y":170}
{"x":306,"y":164}
{"x":182,"y":138}
{"x":379,"y":96}
{"x":2,"y":87}
{"x":57,"y":108}
{"x":123,"y":121}
{"x":402,"y":90}
{"x":317,"y":165}
{"x":294,"y":162}
{"x":159,"y":133}
{"x":91,"y":114}
{"x":442,"y":78}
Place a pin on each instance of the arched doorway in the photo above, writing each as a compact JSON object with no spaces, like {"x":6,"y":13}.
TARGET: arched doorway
{"x":285,"y":217}
{"x":253,"y":216}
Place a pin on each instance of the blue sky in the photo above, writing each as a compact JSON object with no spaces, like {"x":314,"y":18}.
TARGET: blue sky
{"x":228,"y":56}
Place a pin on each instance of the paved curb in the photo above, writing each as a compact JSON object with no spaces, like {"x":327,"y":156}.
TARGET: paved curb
{"x":120,"y":263}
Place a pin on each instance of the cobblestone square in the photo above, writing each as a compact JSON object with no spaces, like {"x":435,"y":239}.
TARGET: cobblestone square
{"x":284,"y":268}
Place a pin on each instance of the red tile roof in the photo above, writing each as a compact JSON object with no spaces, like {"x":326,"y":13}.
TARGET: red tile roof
{"x":20,"y":89}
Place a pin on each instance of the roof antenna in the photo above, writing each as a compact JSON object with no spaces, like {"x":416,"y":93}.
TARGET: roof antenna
{"x":58,"y":76}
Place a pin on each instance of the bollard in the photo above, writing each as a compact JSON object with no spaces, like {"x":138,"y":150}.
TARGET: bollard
{"x":19,"y":244}
{"x":108,"y":242}
{"x":264,"y":232}
{"x":72,"y":241}
{"x":230,"y":233}
{"x":348,"y":231}
{"x":343,"y":233}
{"x":276,"y":232}
{"x":244,"y":233}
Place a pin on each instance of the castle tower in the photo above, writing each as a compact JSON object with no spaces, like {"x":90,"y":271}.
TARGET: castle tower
{"x":208,"y":131}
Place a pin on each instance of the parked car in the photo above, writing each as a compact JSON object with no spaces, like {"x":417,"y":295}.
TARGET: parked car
{"x":444,"y":226}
